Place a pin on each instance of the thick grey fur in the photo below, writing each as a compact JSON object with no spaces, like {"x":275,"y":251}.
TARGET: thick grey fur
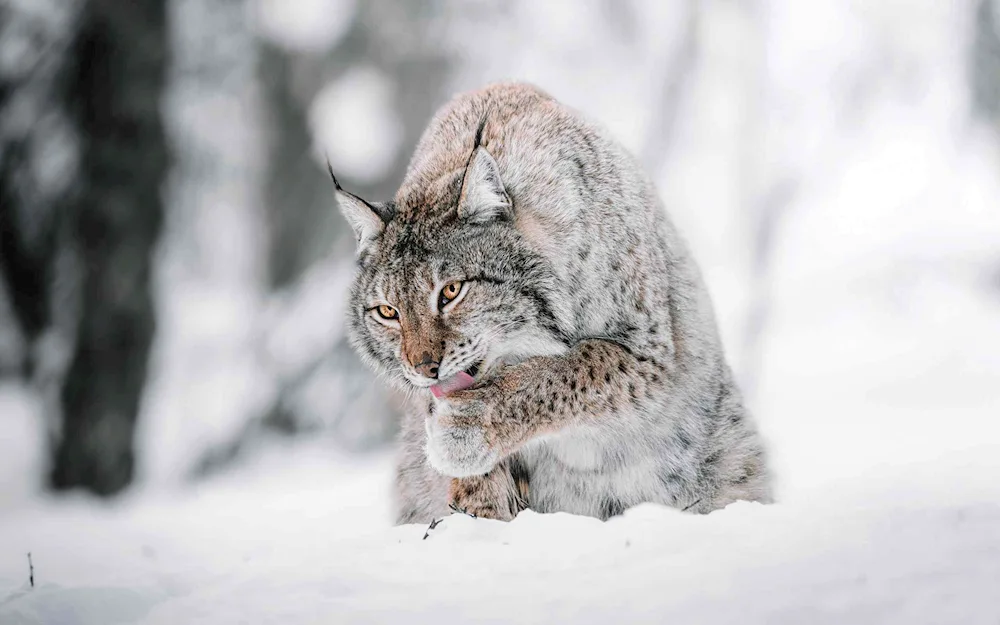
{"x":604,"y":382}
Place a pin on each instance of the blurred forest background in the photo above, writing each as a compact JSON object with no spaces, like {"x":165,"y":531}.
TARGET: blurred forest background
{"x":173,"y":269}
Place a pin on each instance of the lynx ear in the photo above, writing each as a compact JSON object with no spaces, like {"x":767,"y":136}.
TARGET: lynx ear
{"x":483,"y":197}
{"x":368,"y":219}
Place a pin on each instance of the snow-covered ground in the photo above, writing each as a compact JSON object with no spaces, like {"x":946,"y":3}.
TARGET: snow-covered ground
{"x":919,"y":544}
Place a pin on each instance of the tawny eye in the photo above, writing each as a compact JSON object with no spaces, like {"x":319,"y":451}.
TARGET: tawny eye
{"x":387,"y":312}
{"x":450,"y":292}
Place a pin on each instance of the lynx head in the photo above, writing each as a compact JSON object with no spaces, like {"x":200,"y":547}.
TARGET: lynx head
{"x":445,"y":283}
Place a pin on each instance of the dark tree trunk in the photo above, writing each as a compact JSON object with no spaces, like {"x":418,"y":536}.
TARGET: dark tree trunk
{"x":113,"y":225}
{"x":36,"y":169}
{"x":304,"y":225}
{"x":984,"y":72}
{"x":984,"y":65}
{"x":301,"y":219}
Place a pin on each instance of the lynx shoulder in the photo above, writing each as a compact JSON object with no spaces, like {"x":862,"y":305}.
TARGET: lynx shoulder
{"x":555,"y":337}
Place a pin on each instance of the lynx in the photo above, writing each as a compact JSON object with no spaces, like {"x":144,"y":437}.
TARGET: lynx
{"x":552,"y":333}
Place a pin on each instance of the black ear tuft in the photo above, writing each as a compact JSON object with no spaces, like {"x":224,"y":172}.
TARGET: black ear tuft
{"x":367,"y":219}
{"x":483,"y":195}
{"x":329,"y":168}
{"x":479,"y":134}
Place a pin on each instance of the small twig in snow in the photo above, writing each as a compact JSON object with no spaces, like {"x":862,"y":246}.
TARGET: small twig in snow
{"x":434,"y":523}
{"x":31,"y":571}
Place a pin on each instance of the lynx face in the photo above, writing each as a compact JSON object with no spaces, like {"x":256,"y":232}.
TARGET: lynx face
{"x":446,"y":282}
{"x":433,"y":300}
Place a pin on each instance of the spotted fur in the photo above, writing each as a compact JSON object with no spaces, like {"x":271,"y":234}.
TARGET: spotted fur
{"x":603,"y":381}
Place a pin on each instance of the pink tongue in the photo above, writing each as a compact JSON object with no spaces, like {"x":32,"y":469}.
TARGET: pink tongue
{"x":458,"y":382}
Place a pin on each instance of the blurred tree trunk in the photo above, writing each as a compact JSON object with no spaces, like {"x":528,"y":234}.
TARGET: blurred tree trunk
{"x":767,"y":195}
{"x":674,"y":84}
{"x":304,"y":225}
{"x":985,"y":63}
{"x":297,"y":194}
{"x":119,"y":61}
{"x":984,"y":70}
{"x":37,"y":158}
{"x":395,"y":39}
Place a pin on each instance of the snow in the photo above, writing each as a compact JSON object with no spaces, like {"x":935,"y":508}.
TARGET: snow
{"x":301,"y":537}
{"x":22,"y":437}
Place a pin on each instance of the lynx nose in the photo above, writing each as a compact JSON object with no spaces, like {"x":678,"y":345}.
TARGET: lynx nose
{"x":428,"y":367}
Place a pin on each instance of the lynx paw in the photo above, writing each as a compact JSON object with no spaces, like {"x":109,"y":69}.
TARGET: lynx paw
{"x":491,"y":496}
{"x":456,"y":440}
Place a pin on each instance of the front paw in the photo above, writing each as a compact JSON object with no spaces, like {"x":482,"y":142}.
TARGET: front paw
{"x":457,"y":441}
{"x":495,"y":495}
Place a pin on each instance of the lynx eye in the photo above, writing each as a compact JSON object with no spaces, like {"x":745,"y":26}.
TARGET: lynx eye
{"x":450,"y":292}
{"x":387,"y":312}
